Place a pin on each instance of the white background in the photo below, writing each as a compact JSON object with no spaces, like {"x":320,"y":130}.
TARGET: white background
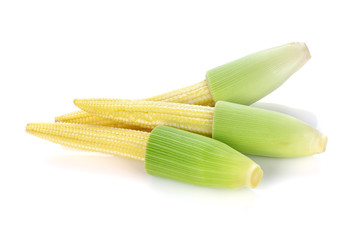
{"x":54,"y":51}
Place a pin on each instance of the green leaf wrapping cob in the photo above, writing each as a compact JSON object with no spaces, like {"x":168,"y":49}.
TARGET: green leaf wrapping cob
{"x":243,"y":81}
{"x":167,"y":152}
{"x":247,"y":129}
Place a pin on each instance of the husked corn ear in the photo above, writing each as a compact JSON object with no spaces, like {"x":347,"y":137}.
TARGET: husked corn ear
{"x":242,"y":81}
{"x":82,"y":117}
{"x":167,"y":152}
{"x":197,"y":94}
{"x":120,"y":142}
{"x":247,"y":129}
{"x":149,"y":114}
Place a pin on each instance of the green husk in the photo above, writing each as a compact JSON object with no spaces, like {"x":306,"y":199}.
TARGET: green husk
{"x":250,"y":78}
{"x":195,"y":159}
{"x":257,"y":131}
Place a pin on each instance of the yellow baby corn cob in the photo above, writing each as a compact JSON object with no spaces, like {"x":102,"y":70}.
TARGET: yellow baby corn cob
{"x":196,"y":94}
{"x":243,"y":81}
{"x":82,"y":117}
{"x":167,"y":152}
{"x":247,"y":129}
{"x":149,"y":114}
{"x":116,"y":141}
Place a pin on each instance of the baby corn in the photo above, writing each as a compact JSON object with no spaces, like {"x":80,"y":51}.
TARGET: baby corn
{"x":149,"y":114}
{"x":196,"y":94}
{"x":167,"y":152}
{"x":247,"y":129}
{"x":243,"y":81}
{"x":115,"y":141}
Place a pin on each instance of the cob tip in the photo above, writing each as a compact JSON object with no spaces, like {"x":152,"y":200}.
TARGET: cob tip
{"x":30,"y":128}
{"x":254,"y":176}
{"x":34,"y":128}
